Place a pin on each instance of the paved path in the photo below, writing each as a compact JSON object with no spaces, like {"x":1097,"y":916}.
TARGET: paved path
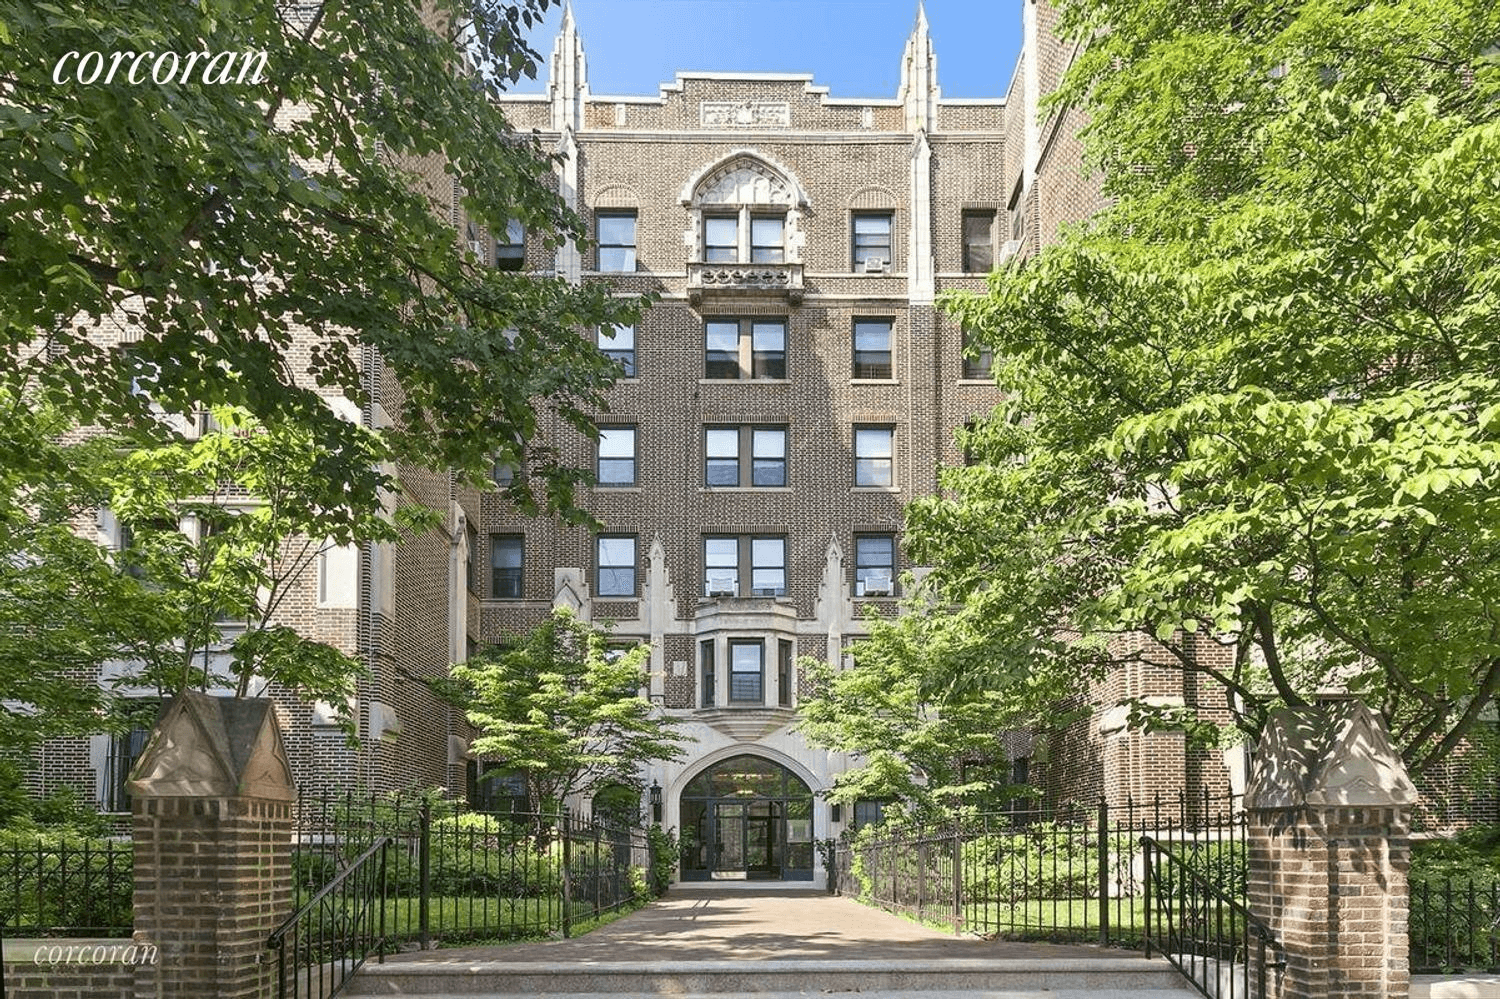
{"x":719,"y":924}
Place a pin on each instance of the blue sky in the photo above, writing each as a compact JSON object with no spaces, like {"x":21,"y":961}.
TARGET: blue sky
{"x":852,"y":47}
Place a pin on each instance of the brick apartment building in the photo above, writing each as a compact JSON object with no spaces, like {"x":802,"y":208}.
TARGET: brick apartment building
{"x":792,"y":388}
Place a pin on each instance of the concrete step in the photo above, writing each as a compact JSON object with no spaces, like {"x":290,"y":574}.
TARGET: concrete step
{"x":1132,"y":977}
{"x":882,"y":994}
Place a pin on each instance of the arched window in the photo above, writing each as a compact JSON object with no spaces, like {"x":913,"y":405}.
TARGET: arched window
{"x":745,"y":211}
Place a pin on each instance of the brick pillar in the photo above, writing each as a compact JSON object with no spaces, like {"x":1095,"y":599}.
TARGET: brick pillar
{"x":212,"y":799}
{"x":1329,"y":809}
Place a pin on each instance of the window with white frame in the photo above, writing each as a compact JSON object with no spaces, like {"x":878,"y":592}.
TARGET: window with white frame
{"x":616,"y":240}
{"x":744,"y":348}
{"x":616,"y":565}
{"x":618,"y":344}
{"x":744,"y":456}
{"x":872,"y":348}
{"x":870,"y":239}
{"x":729,"y":559}
{"x":874,"y":565}
{"x":873,"y":462}
{"x":747,"y":667}
{"x":510,"y":247}
{"x":616,"y":465}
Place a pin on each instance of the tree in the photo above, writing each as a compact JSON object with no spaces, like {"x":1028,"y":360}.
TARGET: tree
{"x":565,"y":711}
{"x":1255,"y":399}
{"x":221,"y":225}
{"x":911,"y":749}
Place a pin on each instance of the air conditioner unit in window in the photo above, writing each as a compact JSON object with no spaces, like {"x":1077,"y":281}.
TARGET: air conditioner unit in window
{"x":1009,"y":248}
{"x":720,"y":583}
{"x":877,"y":583}
{"x":875,"y":265}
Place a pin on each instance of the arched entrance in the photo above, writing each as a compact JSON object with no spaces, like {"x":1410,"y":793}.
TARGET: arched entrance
{"x":747,"y":817}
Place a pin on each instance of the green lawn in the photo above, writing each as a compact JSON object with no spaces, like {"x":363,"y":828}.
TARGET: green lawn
{"x":465,"y":919}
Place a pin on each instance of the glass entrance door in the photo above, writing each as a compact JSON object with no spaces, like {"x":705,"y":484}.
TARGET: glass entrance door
{"x":761,"y":827}
{"x":729,"y":847}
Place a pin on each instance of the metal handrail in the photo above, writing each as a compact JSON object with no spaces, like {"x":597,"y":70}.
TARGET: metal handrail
{"x":1243,"y":986}
{"x":278,"y":937}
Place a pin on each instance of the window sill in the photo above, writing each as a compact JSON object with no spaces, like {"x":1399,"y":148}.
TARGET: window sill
{"x":977,"y":381}
{"x":874,"y":489}
{"x":744,"y":381}
{"x":617,"y":489}
{"x":874,"y":381}
{"x":744,"y":489}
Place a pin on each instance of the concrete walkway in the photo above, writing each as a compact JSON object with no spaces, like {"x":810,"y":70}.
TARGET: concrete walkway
{"x":771,"y":923}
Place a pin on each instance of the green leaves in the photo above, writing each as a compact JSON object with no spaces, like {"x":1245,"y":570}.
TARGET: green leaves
{"x":1251,"y":411}
{"x":564,"y":709}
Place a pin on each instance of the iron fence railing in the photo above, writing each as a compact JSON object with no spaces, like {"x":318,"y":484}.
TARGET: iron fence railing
{"x":1455,"y":923}
{"x":1208,"y":934}
{"x":331,"y":935}
{"x":1068,"y":873}
{"x":446,"y":876}
{"x":59,"y":887}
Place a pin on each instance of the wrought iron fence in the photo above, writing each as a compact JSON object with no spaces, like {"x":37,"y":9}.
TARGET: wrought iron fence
{"x":1206,"y":932}
{"x":1455,"y":923}
{"x":447,"y":876}
{"x":331,"y":935}
{"x":63,"y":887}
{"x":1070,"y":873}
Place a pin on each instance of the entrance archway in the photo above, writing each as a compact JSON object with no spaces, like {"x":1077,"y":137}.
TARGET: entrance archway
{"x":747,"y":817}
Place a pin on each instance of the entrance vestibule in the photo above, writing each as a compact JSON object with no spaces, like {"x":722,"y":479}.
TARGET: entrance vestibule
{"x":747,"y":818}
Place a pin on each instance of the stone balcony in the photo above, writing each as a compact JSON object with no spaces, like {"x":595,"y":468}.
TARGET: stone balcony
{"x":737,"y":282}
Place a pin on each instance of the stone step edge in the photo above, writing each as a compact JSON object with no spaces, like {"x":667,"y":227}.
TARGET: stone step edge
{"x":751,"y":966}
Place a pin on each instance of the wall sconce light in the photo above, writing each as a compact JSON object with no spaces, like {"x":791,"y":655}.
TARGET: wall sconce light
{"x":655,"y":802}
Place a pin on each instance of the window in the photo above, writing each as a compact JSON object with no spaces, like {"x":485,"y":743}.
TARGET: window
{"x":768,"y":567}
{"x":872,"y":348}
{"x":727,"y":559}
{"x":746,"y":671}
{"x":616,"y":566}
{"x":766,"y":244}
{"x":507,"y":556}
{"x":616,"y":456}
{"x":978,"y":359}
{"x":868,"y":812}
{"x":753,"y":456}
{"x":471,"y":560}
{"x":871,"y":240}
{"x":721,"y":239}
{"x":874,"y":565}
{"x":616,"y":241}
{"x":125,"y":750}
{"x":706,"y":666}
{"x":510,"y":248}
{"x":872,"y":456}
{"x":979,"y":241}
{"x":722,"y":234}
{"x":784,"y":673}
{"x":744,"y":348}
{"x":768,"y":349}
{"x":503,"y":474}
{"x":618,"y":344}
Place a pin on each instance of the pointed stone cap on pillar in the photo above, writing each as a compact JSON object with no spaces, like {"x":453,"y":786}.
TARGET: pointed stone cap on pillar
{"x":1335,"y":755}
{"x":215,"y":747}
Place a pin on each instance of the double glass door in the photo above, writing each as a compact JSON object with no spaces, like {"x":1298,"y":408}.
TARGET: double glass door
{"x":745,"y":838}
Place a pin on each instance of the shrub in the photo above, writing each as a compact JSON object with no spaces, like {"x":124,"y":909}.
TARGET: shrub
{"x":57,"y":881}
{"x":663,"y":844}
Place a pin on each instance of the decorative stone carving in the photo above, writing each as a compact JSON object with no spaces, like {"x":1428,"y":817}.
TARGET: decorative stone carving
{"x":745,"y":114}
{"x":1339,"y":755}
{"x":215,"y":747}
{"x":744,"y":185}
{"x":783,"y":280}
